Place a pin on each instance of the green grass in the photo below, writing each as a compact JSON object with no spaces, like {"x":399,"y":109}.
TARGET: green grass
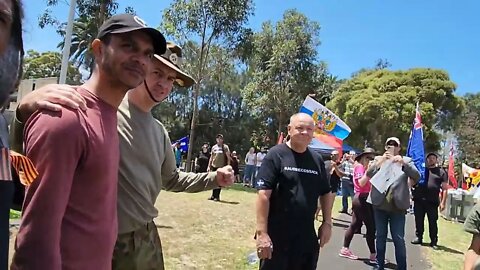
{"x":200,"y":234}
{"x":15,"y":214}
{"x":453,"y":243}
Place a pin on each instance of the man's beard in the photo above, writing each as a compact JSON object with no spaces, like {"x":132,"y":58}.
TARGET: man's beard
{"x":9,"y":69}
{"x":108,"y":66}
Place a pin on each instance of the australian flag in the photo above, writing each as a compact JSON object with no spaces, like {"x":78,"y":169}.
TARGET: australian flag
{"x":415,"y":148}
{"x":183,"y":144}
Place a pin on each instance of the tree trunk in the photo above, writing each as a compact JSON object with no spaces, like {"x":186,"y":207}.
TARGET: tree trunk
{"x":196,"y":94}
{"x":280,"y":124}
{"x":191,"y":139}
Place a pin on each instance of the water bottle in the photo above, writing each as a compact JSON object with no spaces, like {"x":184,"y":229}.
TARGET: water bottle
{"x":252,"y":258}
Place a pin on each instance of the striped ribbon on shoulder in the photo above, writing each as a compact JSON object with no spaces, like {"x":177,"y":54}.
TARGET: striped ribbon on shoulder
{"x":24,"y":167}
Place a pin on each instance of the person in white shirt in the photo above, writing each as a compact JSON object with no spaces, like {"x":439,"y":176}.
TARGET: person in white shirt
{"x":250,"y":162}
{"x":259,"y":158}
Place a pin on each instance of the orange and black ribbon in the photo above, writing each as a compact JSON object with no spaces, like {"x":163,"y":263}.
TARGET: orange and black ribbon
{"x":24,"y":167}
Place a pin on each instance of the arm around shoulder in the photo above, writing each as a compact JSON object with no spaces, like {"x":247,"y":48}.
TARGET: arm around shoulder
{"x":16,"y":134}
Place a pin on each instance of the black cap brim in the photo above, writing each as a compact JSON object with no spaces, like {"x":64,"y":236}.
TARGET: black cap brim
{"x":159,"y":41}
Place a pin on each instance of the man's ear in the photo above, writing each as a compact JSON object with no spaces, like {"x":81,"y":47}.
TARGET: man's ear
{"x":97,"y":48}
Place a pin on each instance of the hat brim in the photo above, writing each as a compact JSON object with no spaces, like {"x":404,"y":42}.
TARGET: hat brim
{"x":183,"y":79}
{"x":396,"y":140}
{"x":159,"y":41}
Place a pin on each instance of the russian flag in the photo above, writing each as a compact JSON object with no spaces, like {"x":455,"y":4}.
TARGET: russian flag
{"x":325,"y":120}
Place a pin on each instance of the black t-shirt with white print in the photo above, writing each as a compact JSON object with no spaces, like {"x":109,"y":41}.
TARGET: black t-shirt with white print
{"x":296,"y":181}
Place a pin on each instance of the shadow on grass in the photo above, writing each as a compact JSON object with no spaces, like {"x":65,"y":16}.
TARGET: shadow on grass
{"x":444,"y":249}
{"x":227,"y":202}
{"x":164,"y":227}
{"x":241,"y":187}
{"x":390,"y":266}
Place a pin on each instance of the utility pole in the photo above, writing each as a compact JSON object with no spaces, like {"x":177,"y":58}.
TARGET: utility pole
{"x":67,"y":43}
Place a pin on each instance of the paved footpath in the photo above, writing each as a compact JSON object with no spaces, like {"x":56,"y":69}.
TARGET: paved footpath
{"x":330,"y":260}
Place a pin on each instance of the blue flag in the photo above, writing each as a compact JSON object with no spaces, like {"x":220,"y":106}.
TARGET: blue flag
{"x":415,"y":148}
{"x":183,"y":144}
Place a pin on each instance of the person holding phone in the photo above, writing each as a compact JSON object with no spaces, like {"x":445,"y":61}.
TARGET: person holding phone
{"x":389,"y":209}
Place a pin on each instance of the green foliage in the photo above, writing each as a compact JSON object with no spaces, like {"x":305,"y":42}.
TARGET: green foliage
{"x":380,"y":103}
{"x":90,"y":14}
{"x":285,"y":68}
{"x":468,"y":131}
{"x":48,"y":64}
{"x":213,"y":23}
{"x":15,"y":214}
{"x":220,"y":104}
{"x":209,"y":20}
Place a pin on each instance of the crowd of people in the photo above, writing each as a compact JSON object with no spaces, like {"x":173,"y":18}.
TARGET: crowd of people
{"x":92,"y":204}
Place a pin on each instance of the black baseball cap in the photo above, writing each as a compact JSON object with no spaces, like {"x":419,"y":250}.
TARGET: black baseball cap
{"x":432,"y":154}
{"x":219,"y":136}
{"x":124,"y":23}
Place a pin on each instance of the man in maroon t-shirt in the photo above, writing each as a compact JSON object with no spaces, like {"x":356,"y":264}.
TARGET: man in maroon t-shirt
{"x":69,"y":217}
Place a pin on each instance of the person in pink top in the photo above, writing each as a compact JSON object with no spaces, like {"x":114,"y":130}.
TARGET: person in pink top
{"x":362,"y":211}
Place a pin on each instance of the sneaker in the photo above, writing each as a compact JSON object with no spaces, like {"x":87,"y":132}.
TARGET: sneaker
{"x":343,"y":212}
{"x":417,"y":241}
{"x":216,"y":199}
{"x":347,"y":253}
{"x":373,"y":258}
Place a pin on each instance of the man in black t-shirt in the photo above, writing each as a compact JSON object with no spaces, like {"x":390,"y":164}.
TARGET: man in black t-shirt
{"x":426,"y":200}
{"x":290,"y":180}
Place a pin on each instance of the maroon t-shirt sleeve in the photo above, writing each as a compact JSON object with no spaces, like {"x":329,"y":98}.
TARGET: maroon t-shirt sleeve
{"x":55,"y":142}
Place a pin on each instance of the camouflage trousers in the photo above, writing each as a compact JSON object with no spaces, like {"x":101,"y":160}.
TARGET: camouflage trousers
{"x":139,"y":250}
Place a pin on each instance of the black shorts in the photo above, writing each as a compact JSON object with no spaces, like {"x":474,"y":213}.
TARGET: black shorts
{"x":334,"y":185}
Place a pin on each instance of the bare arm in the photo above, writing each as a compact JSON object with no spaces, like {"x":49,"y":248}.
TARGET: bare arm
{"x":263,"y":206}
{"x":472,"y":253}
{"x":444,"y":196}
{"x":363,"y":180}
{"x":50,"y":97}
{"x":210,"y":161}
{"x":326,"y":203}
{"x":325,"y":230}
{"x":264,"y":243}
{"x":338,"y":171}
{"x":228,"y":154}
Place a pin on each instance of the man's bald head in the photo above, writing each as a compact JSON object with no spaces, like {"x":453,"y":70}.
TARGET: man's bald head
{"x":301,"y":129}
{"x":301,"y":117}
